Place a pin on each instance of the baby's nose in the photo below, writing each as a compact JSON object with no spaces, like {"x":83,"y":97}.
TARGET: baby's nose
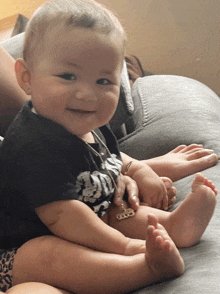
{"x":86,"y":93}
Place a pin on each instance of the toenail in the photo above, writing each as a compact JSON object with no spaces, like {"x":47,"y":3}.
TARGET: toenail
{"x":168,"y":185}
{"x":210,"y":157}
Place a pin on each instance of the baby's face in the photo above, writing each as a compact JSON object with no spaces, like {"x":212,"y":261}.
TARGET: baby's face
{"x":76,"y":81}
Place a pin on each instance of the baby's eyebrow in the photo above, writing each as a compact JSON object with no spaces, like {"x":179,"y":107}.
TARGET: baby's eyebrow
{"x":73,"y":65}
{"x":102,"y":72}
{"x":105,"y":72}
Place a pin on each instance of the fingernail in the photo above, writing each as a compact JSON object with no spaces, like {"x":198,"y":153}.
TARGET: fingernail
{"x":168,"y":185}
{"x":135,"y":199}
{"x":209,"y":150}
{"x":210,"y":157}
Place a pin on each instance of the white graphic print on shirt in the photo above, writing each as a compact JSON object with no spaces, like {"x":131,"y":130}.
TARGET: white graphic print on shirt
{"x":95,"y":186}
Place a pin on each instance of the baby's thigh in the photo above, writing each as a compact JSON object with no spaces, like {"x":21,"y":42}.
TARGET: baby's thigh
{"x":133,"y":226}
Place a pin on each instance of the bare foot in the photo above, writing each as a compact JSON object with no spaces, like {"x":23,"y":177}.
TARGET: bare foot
{"x":183,"y":161}
{"x":162,"y":255}
{"x":189,"y":221}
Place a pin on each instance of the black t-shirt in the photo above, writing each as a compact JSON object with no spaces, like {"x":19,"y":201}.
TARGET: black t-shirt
{"x":41,"y":162}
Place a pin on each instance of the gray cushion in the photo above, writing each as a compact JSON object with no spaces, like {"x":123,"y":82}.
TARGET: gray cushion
{"x":169,"y":111}
{"x":125,"y":105}
{"x":14,"y":45}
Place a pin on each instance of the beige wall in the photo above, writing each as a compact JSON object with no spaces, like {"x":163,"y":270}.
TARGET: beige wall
{"x":179,"y":37}
{"x":169,"y":36}
{"x":25,"y":7}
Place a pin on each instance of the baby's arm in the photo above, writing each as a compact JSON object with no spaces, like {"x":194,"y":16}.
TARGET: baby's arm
{"x":74,"y":221}
{"x":152,"y":188}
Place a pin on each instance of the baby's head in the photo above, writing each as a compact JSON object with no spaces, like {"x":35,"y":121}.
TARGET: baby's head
{"x":72,"y":63}
{"x":67,"y":14}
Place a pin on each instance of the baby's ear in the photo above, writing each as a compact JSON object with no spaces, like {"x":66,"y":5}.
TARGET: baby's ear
{"x":23,"y":75}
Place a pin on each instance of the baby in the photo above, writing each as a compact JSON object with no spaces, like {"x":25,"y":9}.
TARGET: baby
{"x":61,"y":167}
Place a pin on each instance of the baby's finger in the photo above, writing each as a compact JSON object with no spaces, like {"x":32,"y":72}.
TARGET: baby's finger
{"x":118,"y":199}
{"x":159,"y":205}
{"x":132,"y":190}
{"x":119,"y":192}
{"x":134,"y":201}
{"x":165,"y":203}
{"x":171,"y":202}
{"x":171,"y":193}
{"x":157,"y":202}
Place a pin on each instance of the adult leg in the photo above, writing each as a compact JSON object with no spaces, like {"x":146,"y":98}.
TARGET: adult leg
{"x":77,"y":269}
{"x":35,"y":288}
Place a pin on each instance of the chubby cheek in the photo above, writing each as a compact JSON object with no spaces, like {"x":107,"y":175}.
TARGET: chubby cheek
{"x":48,"y":101}
{"x":108,"y":106}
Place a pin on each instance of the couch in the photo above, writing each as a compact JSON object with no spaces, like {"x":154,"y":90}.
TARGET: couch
{"x":159,"y":113}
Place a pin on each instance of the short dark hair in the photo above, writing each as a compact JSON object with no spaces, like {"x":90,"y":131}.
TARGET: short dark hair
{"x":70,"y":13}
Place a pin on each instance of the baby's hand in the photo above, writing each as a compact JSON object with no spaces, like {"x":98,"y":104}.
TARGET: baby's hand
{"x":154,"y":191}
{"x":125,"y":183}
{"x":168,"y":200}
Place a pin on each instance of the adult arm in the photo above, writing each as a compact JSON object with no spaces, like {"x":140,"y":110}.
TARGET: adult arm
{"x":11,"y":94}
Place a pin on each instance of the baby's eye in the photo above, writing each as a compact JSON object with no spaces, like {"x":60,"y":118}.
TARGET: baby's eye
{"x":68,"y":77}
{"x":103,"y":82}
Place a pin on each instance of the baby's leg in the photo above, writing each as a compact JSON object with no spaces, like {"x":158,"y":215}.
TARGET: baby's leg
{"x":189,"y":221}
{"x":185,"y":225}
{"x":78,"y":269}
{"x":161,"y":252}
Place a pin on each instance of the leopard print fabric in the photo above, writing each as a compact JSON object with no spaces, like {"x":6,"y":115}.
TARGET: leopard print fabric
{"x":6,"y":264}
